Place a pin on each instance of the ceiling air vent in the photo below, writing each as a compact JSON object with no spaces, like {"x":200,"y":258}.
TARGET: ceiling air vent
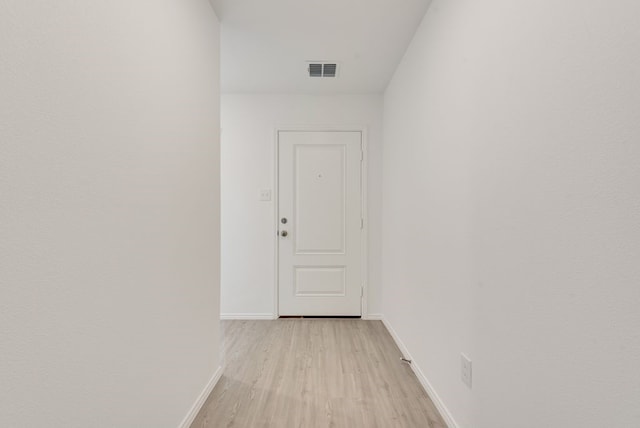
{"x":323,"y":69}
{"x":329,"y":70}
{"x":315,"y":70}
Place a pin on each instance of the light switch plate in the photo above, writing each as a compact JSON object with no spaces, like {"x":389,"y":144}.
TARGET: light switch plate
{"x":265,"y":195}
{"x":465,"y":370}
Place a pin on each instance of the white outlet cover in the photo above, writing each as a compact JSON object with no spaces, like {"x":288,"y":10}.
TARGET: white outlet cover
{"x":465,"y":370}
{"x":265,"y":195}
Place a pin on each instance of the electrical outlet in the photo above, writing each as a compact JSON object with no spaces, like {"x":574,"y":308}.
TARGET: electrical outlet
{"x":465,"y":370}
{"x":265,"y":195}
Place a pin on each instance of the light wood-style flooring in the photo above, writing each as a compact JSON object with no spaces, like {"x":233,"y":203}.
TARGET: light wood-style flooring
{"x":314,"y":373}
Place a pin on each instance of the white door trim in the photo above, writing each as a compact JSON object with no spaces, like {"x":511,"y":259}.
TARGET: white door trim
{"x":364,"y":240}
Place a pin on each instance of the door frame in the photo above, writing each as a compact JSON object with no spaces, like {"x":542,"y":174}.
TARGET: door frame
{"x":364,"y":236}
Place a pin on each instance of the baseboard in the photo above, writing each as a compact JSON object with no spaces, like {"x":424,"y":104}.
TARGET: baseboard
{"x":444,"y":412}
{"x":195,"y":409}
{"x":247,"y":317}
{"x":373,"y":317}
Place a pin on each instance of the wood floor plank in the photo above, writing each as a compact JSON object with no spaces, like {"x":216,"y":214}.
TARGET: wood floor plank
{"x":315,"y":373}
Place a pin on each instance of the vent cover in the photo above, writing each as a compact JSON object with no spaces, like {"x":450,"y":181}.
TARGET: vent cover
{"x":323,"y":69}
{"x":329,"y":70}
{"x":315,"y":70}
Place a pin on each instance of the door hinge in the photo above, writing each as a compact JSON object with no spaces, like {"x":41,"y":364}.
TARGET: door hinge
{"x":361,"y":223}
{"x":362,"y":291}
{"x":361,"y":155}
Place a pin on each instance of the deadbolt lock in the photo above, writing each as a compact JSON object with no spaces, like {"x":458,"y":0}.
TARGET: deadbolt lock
{"x":283,"y":221}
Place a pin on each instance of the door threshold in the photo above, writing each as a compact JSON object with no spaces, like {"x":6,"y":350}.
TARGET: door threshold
{"x":321,"y":316}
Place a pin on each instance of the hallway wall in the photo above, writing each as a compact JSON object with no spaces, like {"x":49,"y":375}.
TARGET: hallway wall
{"x":512,"y":210}
{"x":248,"y":225}
{"x":109,"y":211}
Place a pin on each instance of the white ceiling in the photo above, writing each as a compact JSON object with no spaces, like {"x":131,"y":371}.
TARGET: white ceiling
{"x":266,"y":43}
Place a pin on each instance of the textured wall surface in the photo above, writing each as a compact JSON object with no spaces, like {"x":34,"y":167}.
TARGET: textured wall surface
{"x":512,"y":210}
{"x":109,"y":211}
{"x":249,"y":123}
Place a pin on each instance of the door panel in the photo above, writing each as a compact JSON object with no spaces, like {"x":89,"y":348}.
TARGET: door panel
{"x":320,"y":198}
{"x":320,"y":281}
{"x":319,"y":185}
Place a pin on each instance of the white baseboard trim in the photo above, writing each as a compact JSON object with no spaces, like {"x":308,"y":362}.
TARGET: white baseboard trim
{"x":373,"y":317}
{"x":444,"y":412}
{"x":195,"y":409}
{"x":247,"y":317}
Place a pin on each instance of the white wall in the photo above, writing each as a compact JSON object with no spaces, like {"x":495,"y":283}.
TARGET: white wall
{"x":512,"y":210}
{"x":248,"y":144}
{"x":109,"y":212}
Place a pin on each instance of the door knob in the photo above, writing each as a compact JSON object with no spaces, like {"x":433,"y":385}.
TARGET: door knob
{"x":284,"y":233}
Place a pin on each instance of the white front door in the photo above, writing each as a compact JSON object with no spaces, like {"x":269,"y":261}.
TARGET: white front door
{"x":320,"y":227}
